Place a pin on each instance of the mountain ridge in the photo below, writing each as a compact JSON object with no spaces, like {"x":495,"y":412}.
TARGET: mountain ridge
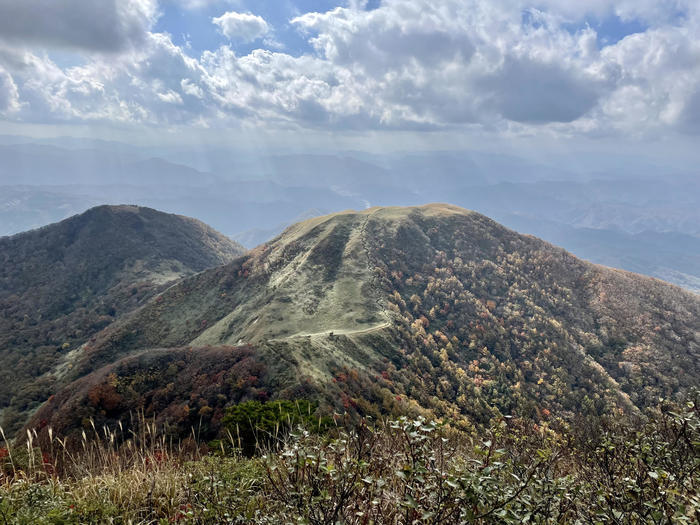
{"x":431,"y":309}
{"x":62,"y":283}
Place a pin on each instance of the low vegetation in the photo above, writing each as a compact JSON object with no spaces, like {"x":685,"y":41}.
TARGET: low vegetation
{"x":408,"y":470}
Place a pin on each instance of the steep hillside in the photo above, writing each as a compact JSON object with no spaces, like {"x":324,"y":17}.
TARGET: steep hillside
{"x":388,"y":310}
{"x":61,"y":284}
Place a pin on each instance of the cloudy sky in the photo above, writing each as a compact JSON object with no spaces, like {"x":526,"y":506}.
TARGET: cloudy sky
{"x":444,"y":72}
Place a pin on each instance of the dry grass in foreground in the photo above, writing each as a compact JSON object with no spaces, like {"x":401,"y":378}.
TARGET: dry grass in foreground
{"x":391,"y":472}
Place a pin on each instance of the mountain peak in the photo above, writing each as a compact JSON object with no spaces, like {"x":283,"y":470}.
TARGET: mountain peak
{"x":62,"y":283}
{"x":375,"y":213}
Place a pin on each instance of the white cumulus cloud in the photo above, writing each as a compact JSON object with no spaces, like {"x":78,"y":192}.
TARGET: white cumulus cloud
{"x":199,"y":4}
{"x":505,"y":66}
{"x":242,"y":27}
{"x":9,"y":95}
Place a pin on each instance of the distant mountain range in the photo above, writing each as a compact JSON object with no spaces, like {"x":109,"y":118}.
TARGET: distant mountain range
{"x":635,"y":216}
{"x":431,"y":310}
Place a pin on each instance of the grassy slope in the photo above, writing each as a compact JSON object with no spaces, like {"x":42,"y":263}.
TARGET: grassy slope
{"x":433,"y":307}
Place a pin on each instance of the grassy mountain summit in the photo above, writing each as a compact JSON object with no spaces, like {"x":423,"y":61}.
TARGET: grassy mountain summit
{"x":431,"y":309}
{"x":61,"y":284}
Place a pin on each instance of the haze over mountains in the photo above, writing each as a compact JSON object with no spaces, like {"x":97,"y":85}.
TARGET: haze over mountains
{"x":433,"y":309}
{"x":619,"y":211}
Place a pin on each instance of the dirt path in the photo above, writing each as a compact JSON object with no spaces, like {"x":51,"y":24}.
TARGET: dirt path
{"x":327,"y":333}
{"x":372,"y":267}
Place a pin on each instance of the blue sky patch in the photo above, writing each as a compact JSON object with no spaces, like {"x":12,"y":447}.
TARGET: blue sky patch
{"x":195,"y":29}
{"x":610,"y":30}
{"x":613,"y":29}
{"x":191,"y":26}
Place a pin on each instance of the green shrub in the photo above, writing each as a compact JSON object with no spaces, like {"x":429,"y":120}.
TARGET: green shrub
{"x":253,"y":424}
